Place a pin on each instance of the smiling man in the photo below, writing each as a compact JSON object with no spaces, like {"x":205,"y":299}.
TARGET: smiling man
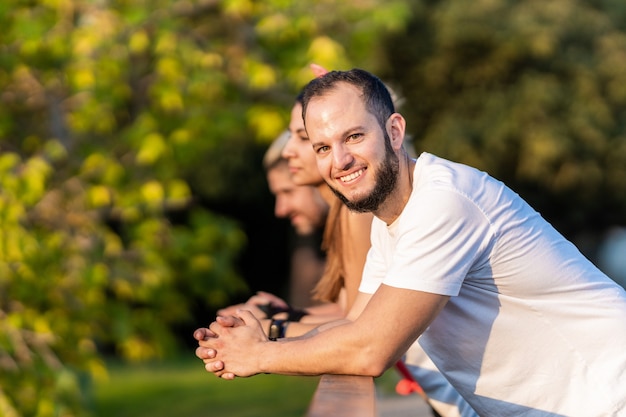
{"x":511,"y":312}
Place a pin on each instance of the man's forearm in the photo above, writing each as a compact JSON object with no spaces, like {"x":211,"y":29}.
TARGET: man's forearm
{"x":374,"y":341}
{"x":307,"y":330}
{"x":324,"y":350}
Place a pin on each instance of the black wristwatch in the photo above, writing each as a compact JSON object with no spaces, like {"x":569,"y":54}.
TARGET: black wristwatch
{"x":277,"y":329}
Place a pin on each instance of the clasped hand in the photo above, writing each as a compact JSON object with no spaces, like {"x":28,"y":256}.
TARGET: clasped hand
{"x":253,"y":303}
{"x":231,"y":345}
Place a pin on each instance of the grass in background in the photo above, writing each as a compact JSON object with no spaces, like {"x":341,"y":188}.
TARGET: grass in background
{"x":183,"y":388}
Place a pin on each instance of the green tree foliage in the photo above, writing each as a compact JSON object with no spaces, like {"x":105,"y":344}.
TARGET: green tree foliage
{"x":532,"y":91}
{"x":117,"y":119}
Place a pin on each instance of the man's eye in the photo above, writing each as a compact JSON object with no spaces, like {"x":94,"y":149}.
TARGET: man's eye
{"x":322,"y":149}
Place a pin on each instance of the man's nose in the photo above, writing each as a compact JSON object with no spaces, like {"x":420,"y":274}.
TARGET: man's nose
{"x":281,"y":208}
{"x":342,"y":158}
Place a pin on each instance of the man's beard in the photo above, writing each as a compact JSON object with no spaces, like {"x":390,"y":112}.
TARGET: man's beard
{"x":386,"y":180}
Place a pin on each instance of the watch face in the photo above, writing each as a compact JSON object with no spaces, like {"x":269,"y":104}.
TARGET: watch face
{"x":277,"y":329}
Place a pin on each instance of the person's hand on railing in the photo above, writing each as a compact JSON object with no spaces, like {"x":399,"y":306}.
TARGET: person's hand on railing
{"x":263,"y":305}
{"x":227,"y":346}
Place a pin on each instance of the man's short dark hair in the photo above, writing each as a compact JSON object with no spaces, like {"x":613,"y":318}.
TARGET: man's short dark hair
{"x":375,"y":94}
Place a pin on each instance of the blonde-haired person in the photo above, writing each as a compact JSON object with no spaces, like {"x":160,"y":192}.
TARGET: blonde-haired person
{"x":306,"y":210}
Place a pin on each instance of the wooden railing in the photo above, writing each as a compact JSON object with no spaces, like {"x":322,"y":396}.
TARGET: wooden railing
{"x":344,"y":396}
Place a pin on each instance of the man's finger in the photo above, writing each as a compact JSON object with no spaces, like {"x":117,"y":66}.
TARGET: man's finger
{"x":229,"y":321}
{"x":205,"y":353}
{"x":203,"y":334}
{"x":215,"y":366}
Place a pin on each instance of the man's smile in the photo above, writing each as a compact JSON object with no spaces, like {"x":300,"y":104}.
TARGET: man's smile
{"x":352,"y":176}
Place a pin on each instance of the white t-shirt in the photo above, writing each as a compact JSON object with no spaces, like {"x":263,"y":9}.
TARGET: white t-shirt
{"x":532,"y":327}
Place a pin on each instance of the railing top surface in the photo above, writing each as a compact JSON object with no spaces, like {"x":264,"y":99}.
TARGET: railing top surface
{"x":344,"y":396}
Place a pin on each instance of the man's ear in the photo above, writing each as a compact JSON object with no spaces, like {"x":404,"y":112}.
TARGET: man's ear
{"x":396,"y":126}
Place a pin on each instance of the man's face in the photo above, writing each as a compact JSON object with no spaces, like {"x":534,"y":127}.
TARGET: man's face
{"x":353,"y":152}
{"x":301,"y":204}
{"x":298,"y":150}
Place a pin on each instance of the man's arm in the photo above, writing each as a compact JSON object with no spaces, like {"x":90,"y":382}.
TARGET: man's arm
{"x":388,"y":325}
{"x":316,"y":323}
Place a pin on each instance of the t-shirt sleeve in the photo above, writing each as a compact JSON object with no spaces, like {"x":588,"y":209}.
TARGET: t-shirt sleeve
{"x":440,"y":237}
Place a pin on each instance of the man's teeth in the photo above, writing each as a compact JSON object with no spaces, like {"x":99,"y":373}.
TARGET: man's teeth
{"x":352,"y":176}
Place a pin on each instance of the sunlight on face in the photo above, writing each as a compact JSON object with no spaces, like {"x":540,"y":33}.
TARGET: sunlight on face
{"x":354,"y":154}
{"x":298,"y":151}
